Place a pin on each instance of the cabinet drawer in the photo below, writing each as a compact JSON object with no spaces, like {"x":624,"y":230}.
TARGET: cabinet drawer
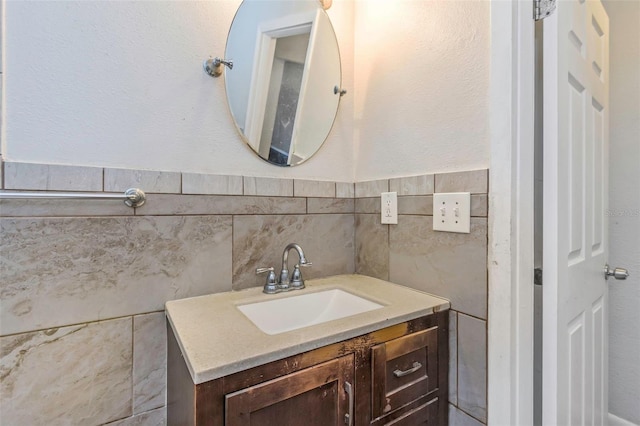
{"x":404,"y":369}
{"x":425,"y":414}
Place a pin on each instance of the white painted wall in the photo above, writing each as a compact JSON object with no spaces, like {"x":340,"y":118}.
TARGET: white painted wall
{"x":624,"y":206}
{"x":422,"y":94}
{"x":120,"y":84}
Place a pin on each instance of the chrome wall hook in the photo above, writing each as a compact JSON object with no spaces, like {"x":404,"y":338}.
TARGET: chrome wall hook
{"x":338,"y":90}
{"x":213,"y":67}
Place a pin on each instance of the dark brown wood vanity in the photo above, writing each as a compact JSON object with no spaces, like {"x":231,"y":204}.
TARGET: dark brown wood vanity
{"x":397,"y":375}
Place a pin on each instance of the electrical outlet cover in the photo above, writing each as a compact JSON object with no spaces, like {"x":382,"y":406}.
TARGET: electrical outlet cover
{"x":389,"y":208}
{"x":452,"y":212}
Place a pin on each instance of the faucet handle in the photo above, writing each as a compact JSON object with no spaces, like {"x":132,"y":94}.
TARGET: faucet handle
{"x":305,"y":265}
{"x":270,"y":286}
{"x":297,"y":282}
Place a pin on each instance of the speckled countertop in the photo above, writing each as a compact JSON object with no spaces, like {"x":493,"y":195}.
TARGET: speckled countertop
{"x":216,"y":339}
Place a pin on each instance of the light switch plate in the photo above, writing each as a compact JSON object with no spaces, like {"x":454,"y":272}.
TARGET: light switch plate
{"x":452,"y":212}
{"x":389,"y":208}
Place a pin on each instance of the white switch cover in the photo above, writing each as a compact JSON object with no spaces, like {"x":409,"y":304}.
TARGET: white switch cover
{"x":389,"y":208}
{"x":452,"y":212}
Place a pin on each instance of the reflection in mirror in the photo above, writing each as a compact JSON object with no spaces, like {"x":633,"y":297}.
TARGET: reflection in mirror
{"x":281,"y":89}
{"x":282,"y":100}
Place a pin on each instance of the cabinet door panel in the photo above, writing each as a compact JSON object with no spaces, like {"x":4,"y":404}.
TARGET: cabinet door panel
{"x":403,"y":370}
{"x":313,"y":396}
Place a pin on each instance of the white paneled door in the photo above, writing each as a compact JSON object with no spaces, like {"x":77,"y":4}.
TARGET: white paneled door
{"x":576,"y":136}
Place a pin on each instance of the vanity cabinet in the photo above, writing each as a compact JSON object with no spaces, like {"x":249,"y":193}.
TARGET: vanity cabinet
{"x":397,"y":375}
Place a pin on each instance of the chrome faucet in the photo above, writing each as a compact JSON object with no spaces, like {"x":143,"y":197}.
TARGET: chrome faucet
{"x":295,"y":282}
{"x":285,"y":284}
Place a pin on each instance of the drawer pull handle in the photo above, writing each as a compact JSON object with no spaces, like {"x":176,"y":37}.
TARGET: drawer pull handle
{"x":399,"y":373}
{"x":348,"y":418}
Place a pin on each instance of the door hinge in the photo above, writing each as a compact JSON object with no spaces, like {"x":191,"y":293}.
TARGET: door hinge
{"x":537,"y":276}
{"x":543,"y":8}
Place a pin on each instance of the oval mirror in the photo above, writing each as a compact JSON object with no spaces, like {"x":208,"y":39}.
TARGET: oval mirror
{"x":283,"y":90}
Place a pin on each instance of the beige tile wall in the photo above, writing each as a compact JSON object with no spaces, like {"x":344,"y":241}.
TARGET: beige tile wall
{"x":67,"y":270}
{"x":472,"y":361}
{"x":84,"y":282}
{"x":119,"y":180}
{"x":82,"y":327}
{"x":52,"y":177}
{"x":446,"y":264}
{"x":258,"y":241}
{"x":79,"y":374}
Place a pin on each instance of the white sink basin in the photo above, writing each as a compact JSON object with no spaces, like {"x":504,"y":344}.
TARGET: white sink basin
{"x":291,"y":313}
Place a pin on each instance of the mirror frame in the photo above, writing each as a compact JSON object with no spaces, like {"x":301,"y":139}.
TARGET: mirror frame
{"x":264,"y":43}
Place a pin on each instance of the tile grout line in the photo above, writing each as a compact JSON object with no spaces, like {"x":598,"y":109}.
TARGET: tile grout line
{"x":470,"y":415}
{"x":133,"y":348}
{"x":471,"y":316}
{"x":39,"y":330}
{"x":355,"y":242}
{"x":486,"y":325}
{"x":457,"y":357}
{"x":233,"y":242}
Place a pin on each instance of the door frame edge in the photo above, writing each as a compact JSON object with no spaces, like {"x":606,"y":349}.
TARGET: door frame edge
{"x":511,"y":206}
